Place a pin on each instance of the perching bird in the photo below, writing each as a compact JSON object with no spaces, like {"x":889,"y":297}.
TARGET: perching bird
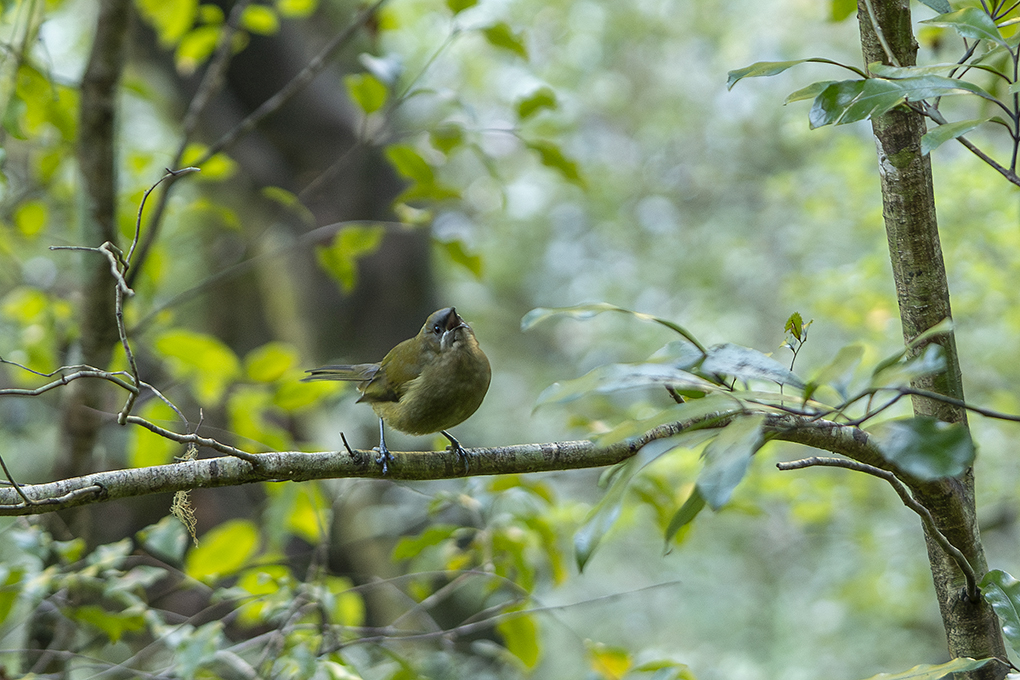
{"x":426,"y":384}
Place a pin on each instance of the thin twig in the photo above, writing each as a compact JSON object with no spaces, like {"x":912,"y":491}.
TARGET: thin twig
{"x":968,"y":571}
{"x":141,"y":206}
{"x":193,"y":439}
{"x":10,"y":478}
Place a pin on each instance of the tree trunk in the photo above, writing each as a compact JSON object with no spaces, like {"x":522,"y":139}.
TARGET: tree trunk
{"x":972,"y":628}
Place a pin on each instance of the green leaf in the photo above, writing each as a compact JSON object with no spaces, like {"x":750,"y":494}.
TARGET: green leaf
{"x":1002,"y":591}
{"x":745,"y":363}
{"x":367,"y":91}
{"x":852,"y":100}
{"x":927,"y":672}
{"x":296,"y":9}
{"x":727,"y":458}
{"x":224,"y":550}
{"x":772,"y":68}
{"x":931,"y":361}
{"x":171,"y":18}
{"x":502,"y":36}
{"x":167,"y":539}
{"x":195,"y":47}
{"x":935,"y":137}
{"x":795,"y":325}
{"x":340,"y":259}
{"x":203,"y":360}
{"x":841,"y":9}
{"x":925,"y":447}
{"x":411,"y":546}
{"x":455,"y":251}
{"x":289,"y":201}
{"x":10,"y":588}
{"x":709,"y":410}
{"x":270,"y":361}
{"x":970,"y":22}
{"x":30,"y":218}
{"x":942,"y":6}
{"x":809,"y":92}
{"x":458,"y":6}
{"x":616,"y":377}
{"x":542,"y":98}
{"x":552,"y":157}
{"x":113,"y":624}
{"x":447,"y":137}
{"x":520,"y":635}
{"x":840,"y":371}
{"x":588,"y":311}
{"x":916,"y":88}
{"x":145,"y":448}
{"x":408,"y":162}
{"x":260,"y":19}
{"x":941,"y":328}
{"x":684,"y":516}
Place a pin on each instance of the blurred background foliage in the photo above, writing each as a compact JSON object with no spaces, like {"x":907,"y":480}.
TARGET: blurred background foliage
{"x":496,"y":156}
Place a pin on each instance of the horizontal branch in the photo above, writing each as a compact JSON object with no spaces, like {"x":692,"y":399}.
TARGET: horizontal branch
{"x":296,"y":466}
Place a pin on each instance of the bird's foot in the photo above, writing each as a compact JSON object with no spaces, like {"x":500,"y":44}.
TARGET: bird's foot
{"x":461,"y":451}
{"x":384,"y":457}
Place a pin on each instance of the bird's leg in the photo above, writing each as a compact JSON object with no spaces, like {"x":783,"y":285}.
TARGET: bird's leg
{"x":455,"y":446}
{"x":384,"y":453}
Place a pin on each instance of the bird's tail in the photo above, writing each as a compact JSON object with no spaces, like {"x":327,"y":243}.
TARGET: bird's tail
{"x":353,"y":373}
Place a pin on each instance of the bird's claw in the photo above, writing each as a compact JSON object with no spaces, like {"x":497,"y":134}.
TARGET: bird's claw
{"x":384,"y":457}
{"x":462,"y":452}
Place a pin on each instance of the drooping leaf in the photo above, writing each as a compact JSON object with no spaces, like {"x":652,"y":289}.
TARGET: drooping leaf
{"x":745,"y":363}
{"x":588,"y":311}
{"x":773,"y":68}
{"x":936,"y":672}
{"x":727,"y":458}
{"x":502,"y":36}
{"x":367,"y":91}
{"x":809,"y":92}
{"x":970,"y":22}
{"x":925,"y":447}
{"x":552,"y":156}
{"x":542,"y":98}
{"x":617,"y":377}
{"x":941,"y":328}
{"x":901,"y":373}
{"x":1002,"y":591}
{"x":937,"y":136}
{"x":694,"y":504}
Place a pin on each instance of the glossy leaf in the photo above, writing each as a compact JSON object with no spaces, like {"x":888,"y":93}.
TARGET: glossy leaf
{"x":616,"y":377}
{"x":937,"y":136}
{"x":809,"y":92}
{"x":694,"y":504}
{"x":970,"y":22}
{"x":224,"y":550}
{"x":1002,"y":591}
{"x":772,"y":68}
{"x":942,"y":6}
{"x":366,"y":91}
{"x":588,"y":311}
{"x":553,"y":157}
{"x":930,"y":86}
{"x":925,"y":447}
{"x":727,"y":458}
{"x":936,"y":672}
{"x":502,"y":36}
{"x":542,"y":98}
{"x":941,"y":328}
{"x":745,"y":363}
{"x":849,"y":101}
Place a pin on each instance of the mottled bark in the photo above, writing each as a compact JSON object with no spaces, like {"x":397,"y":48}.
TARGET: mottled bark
{"x":972,"y":629}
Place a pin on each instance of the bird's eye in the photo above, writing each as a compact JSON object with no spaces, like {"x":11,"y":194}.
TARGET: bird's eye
{"x":437,"y":329}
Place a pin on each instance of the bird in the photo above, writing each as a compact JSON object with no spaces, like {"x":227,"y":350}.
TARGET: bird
{"x":426,"y":384}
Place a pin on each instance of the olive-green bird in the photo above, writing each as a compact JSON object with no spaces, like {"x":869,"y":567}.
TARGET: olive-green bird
{"x":426,"y":384}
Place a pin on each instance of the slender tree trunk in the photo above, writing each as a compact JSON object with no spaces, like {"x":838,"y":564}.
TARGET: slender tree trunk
{"x":972,"y":628}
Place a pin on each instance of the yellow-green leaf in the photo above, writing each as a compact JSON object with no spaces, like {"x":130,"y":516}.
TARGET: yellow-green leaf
{"x":218,"y":167}
{"x":195,"y":48}
{"x":170,"y":18}
{"x":296,"y":9}
{"x":502,"y":36}
{"x":340,"y":259}
{"x":520,"y":635}
{"x":270,"y":361}
{"x":204,"y":361}
{"x":367,"y":91}
{"x":408,"y":162}
{"x":224,"y":550}
{"x":30,"y":218}
{"x":455,"y":251}
{"x":552,"y":157}
{"x":147,"y":448}
{"x":542,"y":98}
{"x":260,"y":19}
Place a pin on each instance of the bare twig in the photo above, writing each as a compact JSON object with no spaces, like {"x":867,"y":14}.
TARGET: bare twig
{"x":968,"y":571}
{"x":254,"y":459}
